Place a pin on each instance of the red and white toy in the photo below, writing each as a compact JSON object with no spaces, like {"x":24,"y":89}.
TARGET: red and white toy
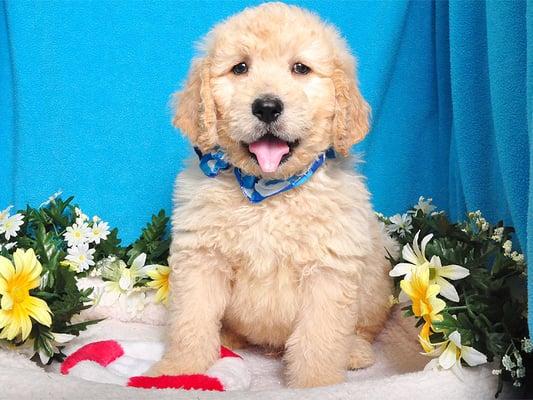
{"x":123,"y":363}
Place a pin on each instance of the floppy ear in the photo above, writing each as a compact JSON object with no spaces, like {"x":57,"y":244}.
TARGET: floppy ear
{"x":195,"y":112}
{"x":351,"y":120}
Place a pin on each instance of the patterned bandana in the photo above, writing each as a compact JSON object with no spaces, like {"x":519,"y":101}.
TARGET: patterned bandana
{"x":254,"y":188}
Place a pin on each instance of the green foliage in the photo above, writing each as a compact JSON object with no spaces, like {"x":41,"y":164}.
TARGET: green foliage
{"x":44,"y":231}
{"x":154,"y":241}
{"x":491,"y":312}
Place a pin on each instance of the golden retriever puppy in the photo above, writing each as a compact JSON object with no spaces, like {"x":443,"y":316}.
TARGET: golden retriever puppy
{"x":304,"y":270}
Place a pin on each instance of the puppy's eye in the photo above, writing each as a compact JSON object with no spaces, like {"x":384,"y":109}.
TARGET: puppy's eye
{"x":300,"y":69}
{"x":240,"y":68}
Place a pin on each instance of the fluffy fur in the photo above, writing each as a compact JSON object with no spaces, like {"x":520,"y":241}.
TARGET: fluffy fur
{"x":304,"y":272}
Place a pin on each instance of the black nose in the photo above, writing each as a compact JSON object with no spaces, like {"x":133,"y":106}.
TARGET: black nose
{"x":267,"y":108}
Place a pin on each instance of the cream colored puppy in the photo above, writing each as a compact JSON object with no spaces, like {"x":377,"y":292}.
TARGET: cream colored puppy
{"x":304,"y":271}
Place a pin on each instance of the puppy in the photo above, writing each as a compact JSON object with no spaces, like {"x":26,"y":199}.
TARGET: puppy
{"x":304,"y":270}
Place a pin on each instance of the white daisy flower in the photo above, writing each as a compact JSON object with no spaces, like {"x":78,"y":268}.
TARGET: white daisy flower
{"x":10,"y":225}
{"x":416,"y":256}
{"x":99,"y":231}
{"x":81,"y":256}
{"x":424,"y":205}
{"x":4,"y":214}
{"x":77,"y":234}
{"x":400,"y":224}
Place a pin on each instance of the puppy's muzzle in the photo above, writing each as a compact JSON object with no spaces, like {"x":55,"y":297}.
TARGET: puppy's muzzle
{"x":267,"y":108}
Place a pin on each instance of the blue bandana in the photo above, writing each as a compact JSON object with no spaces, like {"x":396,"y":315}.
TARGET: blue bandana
{"x":254,"y":188}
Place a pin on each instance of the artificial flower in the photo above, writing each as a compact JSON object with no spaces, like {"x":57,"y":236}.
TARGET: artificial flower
{"x":159,"y":276}
{"x":527,"y":345}
{"x":77,"y":234}
{"x":7,"y":246}
{"x":497,"y":234}
{"x":416,"y":256}
{"x":451,"y":354}
{"x":81,"y":256}
{"x":424,"y":205}
{"x":134,"y":302}
{"x":53,"y":343}
{"x":5,"y":213}
{"x":507,"y":247}
{"x":121,"y":279}
{"x":51,"y":199}
{"x":517,"y":257}
{"x":10,"y":225}
{"x":423,"y":337}
{"x":81,"y":216}
{"x":17,"y":307}
{"x":99,"y":231}
{"x":400,"y":224}
{"x":423,"y":294}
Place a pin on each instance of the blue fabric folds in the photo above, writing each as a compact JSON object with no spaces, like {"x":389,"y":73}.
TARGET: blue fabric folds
{"x":84,"y":90}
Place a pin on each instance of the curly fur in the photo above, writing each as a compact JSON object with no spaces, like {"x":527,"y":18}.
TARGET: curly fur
{"x":304,"y":272}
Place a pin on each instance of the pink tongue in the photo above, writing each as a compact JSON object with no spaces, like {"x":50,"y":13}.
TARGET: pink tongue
{"x":269,"y":152}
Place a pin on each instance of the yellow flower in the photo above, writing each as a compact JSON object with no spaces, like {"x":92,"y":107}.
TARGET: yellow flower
{"x":159,"y":276}
{"x":423,"y":295}
{"x":16,"y":305}
{"x":423,"y":338}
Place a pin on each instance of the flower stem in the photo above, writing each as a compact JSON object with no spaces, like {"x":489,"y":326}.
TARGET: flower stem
{"x":456,"y":308}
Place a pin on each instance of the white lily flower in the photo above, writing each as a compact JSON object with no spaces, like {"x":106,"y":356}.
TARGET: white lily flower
{"x":121,"y":279}
{"x":415,"y":256}
{"x":58,"y":340}
{"x":451,"y":354}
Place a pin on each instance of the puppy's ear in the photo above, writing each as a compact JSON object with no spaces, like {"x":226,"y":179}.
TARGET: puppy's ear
{"x":351,"y":120}
{"x":195,"y":113}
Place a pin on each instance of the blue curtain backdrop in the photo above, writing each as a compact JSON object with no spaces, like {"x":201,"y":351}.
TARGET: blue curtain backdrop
{"x":84,"y":89}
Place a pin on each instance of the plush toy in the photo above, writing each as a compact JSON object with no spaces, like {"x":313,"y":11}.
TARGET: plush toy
{"x":124,"y":362}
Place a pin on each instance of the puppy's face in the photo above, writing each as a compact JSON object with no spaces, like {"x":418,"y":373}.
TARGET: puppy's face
{"x":275,"y":88}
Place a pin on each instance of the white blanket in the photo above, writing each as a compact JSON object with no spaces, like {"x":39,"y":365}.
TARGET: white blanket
{"x":397,"y":373}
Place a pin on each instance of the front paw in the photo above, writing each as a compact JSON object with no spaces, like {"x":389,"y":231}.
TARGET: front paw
{"x":173,"y":367}
{"x":308,"y":379}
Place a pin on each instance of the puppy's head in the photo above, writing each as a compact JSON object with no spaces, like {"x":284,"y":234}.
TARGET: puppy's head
{"x":275,"y":87}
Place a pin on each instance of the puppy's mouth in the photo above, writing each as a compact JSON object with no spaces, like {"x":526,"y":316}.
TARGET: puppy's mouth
{"x":270,"y":151}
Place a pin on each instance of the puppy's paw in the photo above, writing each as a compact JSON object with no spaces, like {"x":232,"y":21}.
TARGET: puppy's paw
{"x":175,"y":367}
{"x":361,"y":354}
{"x":308,"y":379}
{"x":232,"y":340}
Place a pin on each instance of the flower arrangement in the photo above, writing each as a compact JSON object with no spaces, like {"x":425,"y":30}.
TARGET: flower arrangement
{"x":462,"y":282}
{"x":465,"y":286}
{"x":46,"y":251}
